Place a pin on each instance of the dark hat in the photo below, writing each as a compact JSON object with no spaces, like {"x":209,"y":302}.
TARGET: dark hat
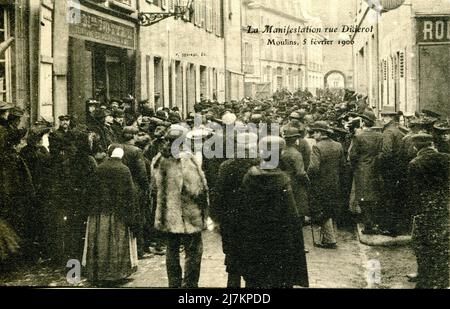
{"x":5,"y":105}
{"x":415,"y":122}
{"x":92,"y":102}
{"x":64,"y":117}
{"x":369,"y":115}
{"x":321,"y":126}
{"x":161,"y":115}
{"x":291,"y":132}
{"x":175,"y":132}
{"x":442,"y":126}
{"x":269,"y":141}
{"x":118,"y":113}
{"x":422,"y":138}
{"x":17,"y":111}
{"x":430,"y":113}
{"x":130,"y":130}
{"x":101,"y":113}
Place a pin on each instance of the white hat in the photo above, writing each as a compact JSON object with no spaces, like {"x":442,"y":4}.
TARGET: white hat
{"x":229,"y":118}
{"x":117,"y":153}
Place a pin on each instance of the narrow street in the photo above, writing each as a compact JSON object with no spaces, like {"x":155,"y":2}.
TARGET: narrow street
{"x":341,"y":268}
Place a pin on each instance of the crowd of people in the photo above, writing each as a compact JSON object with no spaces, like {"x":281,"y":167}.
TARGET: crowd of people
{"x":109,"y":189}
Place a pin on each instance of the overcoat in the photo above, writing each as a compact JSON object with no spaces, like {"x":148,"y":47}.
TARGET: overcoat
{"x":428,"y":176}
{"x":292,"y":163}
{"x":363,"y":158}
{"x":326,"y":172}
{"x":229,"y":204}
{"x":273,"y":248}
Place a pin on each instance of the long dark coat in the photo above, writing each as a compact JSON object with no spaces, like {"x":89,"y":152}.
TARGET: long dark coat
{"x":292,"y":163}
{"x":326,"y":172}
{"x":17,"y":194}
{"x":109,"y":251}
{"x":80,"y":176}
{"x":363,"y":158}
{"x":135,"y":161}
{"x":273,"y":250}
{"x":304,"y":148}
{"x":390,"y":157}
{"x":428,"y":176}
{"x":228,"y":207}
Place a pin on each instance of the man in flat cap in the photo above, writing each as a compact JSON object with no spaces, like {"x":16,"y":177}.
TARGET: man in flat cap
{"x":428,"y":176}
{"x":104,"y":130}
{"x":326,"y":172}
{"x":442,"y":136}
{"x":392,"y":172}
{"x":91,"y":107}
{"x":118,"y":124}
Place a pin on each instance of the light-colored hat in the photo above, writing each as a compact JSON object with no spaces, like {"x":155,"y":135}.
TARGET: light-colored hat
{"x":117,"y":153}
{"x":229,"y":119}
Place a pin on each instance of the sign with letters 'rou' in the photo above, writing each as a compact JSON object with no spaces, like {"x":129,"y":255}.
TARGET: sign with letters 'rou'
{"x":433,"y":29}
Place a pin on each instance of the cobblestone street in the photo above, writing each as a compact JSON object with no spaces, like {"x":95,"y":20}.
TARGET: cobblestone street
{"x":341,"y":268}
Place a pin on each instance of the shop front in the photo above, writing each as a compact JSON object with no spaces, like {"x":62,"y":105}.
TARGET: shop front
{"x":433,"y":39}
{"x":102,"y":60}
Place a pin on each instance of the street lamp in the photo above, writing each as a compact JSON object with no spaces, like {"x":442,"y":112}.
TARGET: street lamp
{"x":150,"y":18}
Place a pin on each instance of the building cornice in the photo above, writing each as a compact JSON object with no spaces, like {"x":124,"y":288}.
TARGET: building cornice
{"x":278,"y":12}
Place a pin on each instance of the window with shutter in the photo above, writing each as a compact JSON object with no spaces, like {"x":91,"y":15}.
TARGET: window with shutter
{"x":5,"y":63}
{"x":203,"y":14}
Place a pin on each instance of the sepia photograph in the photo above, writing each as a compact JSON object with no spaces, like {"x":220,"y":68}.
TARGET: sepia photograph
{"x":225,"y":144}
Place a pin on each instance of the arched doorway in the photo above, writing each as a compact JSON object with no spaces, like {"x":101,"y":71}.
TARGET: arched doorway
{"x":335,"y":79}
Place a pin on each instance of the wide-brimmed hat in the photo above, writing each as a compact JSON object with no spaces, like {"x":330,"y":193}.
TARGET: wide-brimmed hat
{"x":431,"y":113}
{"x":5,"y":106}
{"x":130,"y":130}
{"x":369,"y":115}
{"x":422,"y":138}
{"x":291,"y":132}
{"x":442,"y":126}
{"x":321,"y":126}
{"x":17,"y":111}
{"x":64,"y":117}
{"x":175,"y":132}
